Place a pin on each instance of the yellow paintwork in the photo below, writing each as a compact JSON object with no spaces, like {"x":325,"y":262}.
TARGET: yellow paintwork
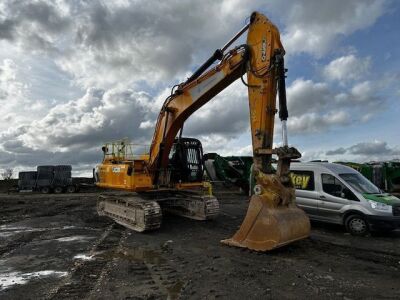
{"x":262,"y":98}
{"x":116,"y":176}
{"x":272,"y":219}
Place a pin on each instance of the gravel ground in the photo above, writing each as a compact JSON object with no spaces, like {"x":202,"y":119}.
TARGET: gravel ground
{"x":56,"y":247}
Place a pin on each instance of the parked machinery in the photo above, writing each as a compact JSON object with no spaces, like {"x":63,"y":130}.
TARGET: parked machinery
{"x":385,"y":175}
{"x":47,"y":179}
{"x":229,"y":170}
{"x":27,"y":180}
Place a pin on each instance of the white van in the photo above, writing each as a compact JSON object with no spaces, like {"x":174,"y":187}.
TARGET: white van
{"x":339,"y":194}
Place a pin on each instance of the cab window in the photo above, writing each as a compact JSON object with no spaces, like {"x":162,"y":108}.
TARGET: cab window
{"x":332,"y":186}
{"x":303,"y":180}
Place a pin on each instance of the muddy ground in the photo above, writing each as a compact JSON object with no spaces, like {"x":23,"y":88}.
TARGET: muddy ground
{"x":56,"y":247}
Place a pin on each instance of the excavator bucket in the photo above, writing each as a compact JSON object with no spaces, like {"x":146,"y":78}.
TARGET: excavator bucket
{"x":272,"y":219}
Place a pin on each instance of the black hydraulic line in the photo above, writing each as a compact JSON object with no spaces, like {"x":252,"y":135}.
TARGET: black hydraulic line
{"x":246,"y":58}
{"x":236,"y":36}
{"x":160,"y":152}
{"x":280,"y":65}
{"x":180,"y":132}
{"x":218,"y":54}
{"x":166,"y":123}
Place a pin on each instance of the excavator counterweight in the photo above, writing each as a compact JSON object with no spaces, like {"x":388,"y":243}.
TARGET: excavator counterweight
{"x":169,"y":178}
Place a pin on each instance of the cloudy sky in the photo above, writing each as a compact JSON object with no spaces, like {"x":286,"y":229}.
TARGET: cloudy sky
{"x":76,"y":74}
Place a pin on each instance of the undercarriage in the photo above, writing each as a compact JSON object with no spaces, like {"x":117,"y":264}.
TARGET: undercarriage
{"x":143,"y":211}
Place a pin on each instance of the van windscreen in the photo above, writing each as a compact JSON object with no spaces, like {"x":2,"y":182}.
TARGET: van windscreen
{"x":360,"y":183}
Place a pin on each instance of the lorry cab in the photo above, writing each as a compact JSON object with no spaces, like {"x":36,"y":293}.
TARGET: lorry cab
{"x":338,"y":194}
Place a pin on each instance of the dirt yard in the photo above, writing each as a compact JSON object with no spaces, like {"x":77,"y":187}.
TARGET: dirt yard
{"x":56,"y":247}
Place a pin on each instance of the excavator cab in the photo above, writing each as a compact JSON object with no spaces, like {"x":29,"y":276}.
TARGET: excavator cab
{"x":186,"y":161}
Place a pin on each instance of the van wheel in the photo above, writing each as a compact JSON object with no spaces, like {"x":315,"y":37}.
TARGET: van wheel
{"x":58,"y":190}
{"x":356,"y":225}
{"x":45,"y":190}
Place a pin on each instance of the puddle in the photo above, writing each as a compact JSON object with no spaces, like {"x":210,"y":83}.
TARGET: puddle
{"x":6,"y":231}
{"x":9,"y":230}
{"x":84,"y":257}
{"x":10,"y":279}
{"x":139,"y":254}
{"x":68,"y":227}
{"x":74,"y":238}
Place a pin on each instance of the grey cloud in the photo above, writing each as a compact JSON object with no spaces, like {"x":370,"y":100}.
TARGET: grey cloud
{"x":372,"y":148}
{"x":98,"y":42}
{"x":313,"y":26}
{"x":316,"y":106}
{"x":226,"y":114}
{"x":347,"y":68}
{"x":33,"y":24}
{"x":367,"y":149}
{"x":97,"y":117}
{"x":39,"y":157}
{"x":313,"y":122}
{"x":337,"y":151}
{"x":73,"y":132}
{"x":15,"y":146}
{"x":7,"y":28}
{"x":46,"y":15}
{"x":306,"y":96}
{"x":137,"y":40}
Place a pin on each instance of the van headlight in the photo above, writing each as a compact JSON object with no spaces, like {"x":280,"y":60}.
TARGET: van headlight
{"x":380,"y":206}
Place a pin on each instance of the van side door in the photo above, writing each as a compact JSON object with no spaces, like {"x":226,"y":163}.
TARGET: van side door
{"x":306,"y":196}
{"x":333,"y":198}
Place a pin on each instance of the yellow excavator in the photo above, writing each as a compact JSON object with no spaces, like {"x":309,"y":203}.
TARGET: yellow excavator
{"x":169,"y":178}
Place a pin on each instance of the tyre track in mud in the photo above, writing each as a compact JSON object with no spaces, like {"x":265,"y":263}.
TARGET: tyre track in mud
{"x":386,"y":258}
{"x":12,"y":246}
{"x":82,"y":275}
{"x":150,"y":275}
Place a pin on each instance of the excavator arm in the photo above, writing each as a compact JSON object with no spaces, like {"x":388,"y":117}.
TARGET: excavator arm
{"x":189,"y":97}
{"x":262,"y":59}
